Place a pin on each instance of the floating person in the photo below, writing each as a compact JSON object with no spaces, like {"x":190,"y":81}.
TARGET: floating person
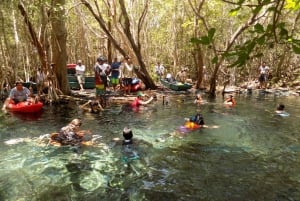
{"x":92,"y":106}
{"x":280,"y":110}
{"x":230,"y":101}
{"x":198,"y":99}
{"x":194,"y":122}
{"x":71,"y":135}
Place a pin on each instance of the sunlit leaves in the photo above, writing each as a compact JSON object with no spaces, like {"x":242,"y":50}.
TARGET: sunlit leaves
{"x":234,"y":12}
{"x":292,"y":5}
{"x":187,"y":23}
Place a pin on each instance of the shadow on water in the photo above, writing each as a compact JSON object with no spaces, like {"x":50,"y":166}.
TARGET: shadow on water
{"x":252,"y":155}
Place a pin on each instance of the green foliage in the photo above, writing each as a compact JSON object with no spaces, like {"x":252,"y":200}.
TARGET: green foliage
{"x":259,"y":28}
{"x":292,"y":5}
{"x":296,"y":46}
{"x":205,"y":40}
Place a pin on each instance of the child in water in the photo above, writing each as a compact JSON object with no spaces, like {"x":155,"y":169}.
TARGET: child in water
{"x":230,"y":101}
{"x":69,"y":134}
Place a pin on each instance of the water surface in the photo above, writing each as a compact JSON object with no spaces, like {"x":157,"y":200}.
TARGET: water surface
{"x":252,"y":155}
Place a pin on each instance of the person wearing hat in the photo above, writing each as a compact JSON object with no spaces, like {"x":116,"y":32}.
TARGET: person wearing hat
{"x":80,"y":69}
{"x":138,"y":100}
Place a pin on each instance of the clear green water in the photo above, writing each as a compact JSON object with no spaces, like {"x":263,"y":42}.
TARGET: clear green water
{"x":253,"y":155}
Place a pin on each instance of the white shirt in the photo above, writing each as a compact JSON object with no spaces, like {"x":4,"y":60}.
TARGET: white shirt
{"x":80,"y":69}
{"x":159,"y":69}
{"x":264,"y":69}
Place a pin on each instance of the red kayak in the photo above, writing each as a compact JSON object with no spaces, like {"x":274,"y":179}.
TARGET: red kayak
{"x":25,"y":107}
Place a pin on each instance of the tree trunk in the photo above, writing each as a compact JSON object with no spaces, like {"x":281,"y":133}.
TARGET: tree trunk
{"x":59,"y":40}
{"x":135,"y":49}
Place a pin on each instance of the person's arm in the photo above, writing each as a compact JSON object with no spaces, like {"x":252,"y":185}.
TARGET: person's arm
{"x":100,"y":107}
{"x":84,"y":106}
{"x":129,"y":68}
{"x":146,"y":102}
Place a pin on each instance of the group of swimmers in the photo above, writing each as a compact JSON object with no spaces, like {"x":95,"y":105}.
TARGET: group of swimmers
{"x":72,"y":135}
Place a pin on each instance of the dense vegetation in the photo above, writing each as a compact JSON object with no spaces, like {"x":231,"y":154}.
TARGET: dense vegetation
{"x":230,"y":37}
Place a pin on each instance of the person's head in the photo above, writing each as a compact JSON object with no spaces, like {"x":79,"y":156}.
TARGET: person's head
{"x":75,"y":124}
{"x":280,"y":107}
{"x":19,"y":85}
{"x":101,"y":59}
{"x":94,"y":106}
{"x":140,"y":94}
{"x":79,"y":62}
{"x":198,"y":97}
{"x":127,"y":134}
{"x":199,"y":119}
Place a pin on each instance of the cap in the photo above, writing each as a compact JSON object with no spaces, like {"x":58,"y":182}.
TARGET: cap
{"x":140,"y":94}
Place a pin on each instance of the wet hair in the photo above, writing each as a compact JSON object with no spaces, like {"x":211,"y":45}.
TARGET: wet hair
{"x":76,"y":122}
{"x":94,"y":103}
{"x":127,"y":134}
{"x":280,"y":107}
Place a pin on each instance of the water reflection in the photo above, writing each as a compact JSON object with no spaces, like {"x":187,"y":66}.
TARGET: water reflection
{"x":253,"y":155}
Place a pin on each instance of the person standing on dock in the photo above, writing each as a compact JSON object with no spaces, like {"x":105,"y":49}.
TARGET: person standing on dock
{"x":80,"y":70}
